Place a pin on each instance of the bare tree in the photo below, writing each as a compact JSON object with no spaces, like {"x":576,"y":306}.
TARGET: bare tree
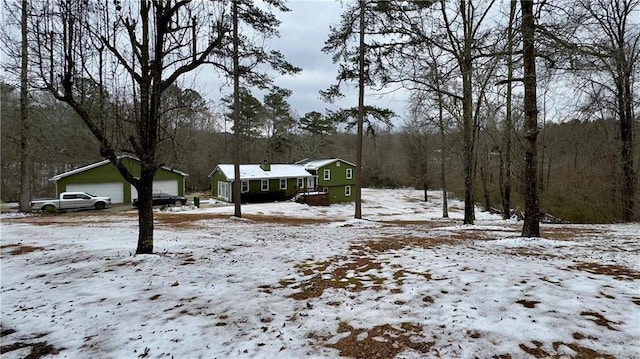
{"x":418,"y":133}
{"x":616,"y":47}
{"x":152,"y":44}
{"x":599,"y":40}
{"x":459,"y":29}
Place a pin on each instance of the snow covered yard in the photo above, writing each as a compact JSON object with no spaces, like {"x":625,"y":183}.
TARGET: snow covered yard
{"x":291,"y":281}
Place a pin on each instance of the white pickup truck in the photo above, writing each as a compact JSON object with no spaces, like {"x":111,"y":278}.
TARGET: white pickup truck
{"x":71,"y":200}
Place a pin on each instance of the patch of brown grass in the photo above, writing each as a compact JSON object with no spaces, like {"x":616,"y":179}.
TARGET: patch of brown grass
{"x":525,"y":252}
{"x":528,"y":303}
{"x":427,"y":223}
{"x":583,"y":352}
{"x":381,"y":342}
{"x":351,"y":275}
{"x":474,"y":334}
{"x":178,"y":220}
{"x":38,"y":350}
{"x":614,"y":270}
{"x":395,"y":243}
{"x":600,"y":320}
{"x":536,"y":350}
{"x":70,"y":219}
{"x":567,"y":233}
{"x":17,"y":249}
{"x":357,"y":271}
{"x":289,"y":221}
{"x":400,"y":275}
{"x":182,"y":221}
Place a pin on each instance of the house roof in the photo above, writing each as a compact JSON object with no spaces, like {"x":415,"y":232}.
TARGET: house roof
{"x":316,"y":163}
{"x":102,"y":163}
{"x":251,"y":171}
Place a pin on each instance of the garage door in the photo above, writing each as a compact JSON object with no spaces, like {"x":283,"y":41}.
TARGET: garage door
{"x":168,"y":186}
{"x":114,"y":190}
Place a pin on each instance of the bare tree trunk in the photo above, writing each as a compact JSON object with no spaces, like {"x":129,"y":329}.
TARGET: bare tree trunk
{"x":484,"y":167}
{"x":358,"y":190}
{"x":237,"y":182}
{"x":443,"y":152}
{"x":506,"y":188}
{"x":467,"y":105}
{"x":26,"y":163}
{"x":531,"y":227}
{"x":625,"y":99}
{"x":145,"y":210}
{"x":541,"y":181}
{"x":443,"y":172}
{"x":466,"y":67}
{"x":501,"y":183}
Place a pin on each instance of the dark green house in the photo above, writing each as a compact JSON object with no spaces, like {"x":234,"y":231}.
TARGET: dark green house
{"x":333,"y":176}
{"x":103,"y":179}
{"x":260,"y":183}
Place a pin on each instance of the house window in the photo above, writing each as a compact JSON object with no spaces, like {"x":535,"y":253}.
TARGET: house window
{"x":283,"y":183}
{"x":224,"y":190}
{"x":325,"y":189}
{"x":327,"y":174}
{"x":264,"y":184}
{"x":245,"y":186}
{"x":300,"y":182}
{"x":349,"y":173}
{"x":347,"y":191}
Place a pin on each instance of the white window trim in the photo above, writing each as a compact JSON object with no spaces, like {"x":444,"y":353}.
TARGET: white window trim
{"x":262,"y":186}
{"x":349,"y":173}
{"x":327,"y":174}
{"x":300,"y":182}
{"x":283,"y":180}
{"x":224,"y":190}
{"x":347,"y":191}
{"x":325,"y":189}
{"x":243,"y":189}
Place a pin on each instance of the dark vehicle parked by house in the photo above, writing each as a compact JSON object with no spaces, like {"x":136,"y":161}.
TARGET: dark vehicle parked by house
{"x":164,"y":199}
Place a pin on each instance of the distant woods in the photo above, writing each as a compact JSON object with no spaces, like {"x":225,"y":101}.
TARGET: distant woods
{"x":460,"y":64}
{"x":579,"y":180}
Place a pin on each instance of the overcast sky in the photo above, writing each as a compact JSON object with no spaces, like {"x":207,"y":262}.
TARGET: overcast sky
{"x":303,"y":32}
